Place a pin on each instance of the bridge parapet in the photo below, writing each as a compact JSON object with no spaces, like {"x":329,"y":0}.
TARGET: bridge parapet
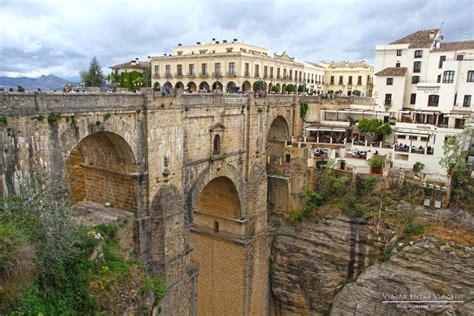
{"x":27,"y":103}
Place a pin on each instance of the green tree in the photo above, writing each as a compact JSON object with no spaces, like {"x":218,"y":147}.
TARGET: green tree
{"x":303,"y":108}
{"x":377,"y":162}
{"x":375,"y":128}
{"x":291,"y":88}
{"x":94,"y":77}
{"x":454,"y":161}
{"x":276,"y":88}
{"x":301,"y":88}
{"x":259,"y":85}
{"x":147,"y":76}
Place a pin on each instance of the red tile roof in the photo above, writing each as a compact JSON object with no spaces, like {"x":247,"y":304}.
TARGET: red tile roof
{"x":392,"y":71}
{"x":452,"y":46}
{"x":419,"y":39}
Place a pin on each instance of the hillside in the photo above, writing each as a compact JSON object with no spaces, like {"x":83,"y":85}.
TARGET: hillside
{"x":49,"y":82}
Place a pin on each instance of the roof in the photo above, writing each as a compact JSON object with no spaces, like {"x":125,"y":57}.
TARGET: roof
{"x":452,"y":46}
{"x":348,"y":64}
{"x":419,"y":39}
{"x":314,"y":64}
{"x":132,"y":65}
{"x":392,"y":71}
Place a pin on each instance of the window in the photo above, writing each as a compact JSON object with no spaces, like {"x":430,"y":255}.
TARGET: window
{"x":433,"y":100}
{"x":265,"y":71}
{"x":470,"y":76}
{"x":350,"y":79}
{"x":415,"y":79}
{"x":229,"y":50}
{"x":231,"y":68}
{"x":217,"y":69}
{"x":413,"y":98}
{"x":359,"y":80}
{"x":389,"y":81}
{"x":467,"y":101}
{"x":455,"y":99}
{"x":278,"y":73}
{"x":216,"y":226}
{"x":417,"y":66}
{"x":442,"y":59}
{"x":179,"y":70}
{"x":418,"y":53}
{"x":247,"y":70}
{"x":216,"y":145}
{"x":168,"y":70}
{"x":388,"y":99}
{"x":271,"y":72}
{"x":291,"y":74}
{"x":439,"y":79}
{"x":157,"y":71}
{"x":284,"y":74}
{"x":397,"y":64}
{"x":459,"y":57}
{"x":287,"y":158}
{"x":332,"y":79}
{"x":399,"y":52}
{"x":448,"y":76}
{"x":257,"y":70}
{"x":341,"y":79}
{"x":204,"y":69}
{"x":191,"y":70}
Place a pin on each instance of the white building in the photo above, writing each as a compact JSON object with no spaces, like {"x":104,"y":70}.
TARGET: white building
{"x":426,"y":86}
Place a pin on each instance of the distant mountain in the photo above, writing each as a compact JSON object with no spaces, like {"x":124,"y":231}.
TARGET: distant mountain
{"x":49,"y":82}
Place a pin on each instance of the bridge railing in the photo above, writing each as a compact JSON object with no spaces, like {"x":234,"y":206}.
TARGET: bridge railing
{"x":16,"y":103}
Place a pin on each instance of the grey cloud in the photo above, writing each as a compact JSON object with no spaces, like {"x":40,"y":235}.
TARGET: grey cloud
{"x":65,"y":35}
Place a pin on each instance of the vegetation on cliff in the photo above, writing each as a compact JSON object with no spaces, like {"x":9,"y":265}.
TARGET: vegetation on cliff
{"x":50,"y":265}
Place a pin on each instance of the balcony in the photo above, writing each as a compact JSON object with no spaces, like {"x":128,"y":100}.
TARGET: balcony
{"x":271,"y":77}
{"x":191,"y":74}
{"x":217,"y":74}
{"x":179,"y":75}
{"x":204,"y":74}
{"x":247,"y":74}
{"x":265,"y":76}
{"x":156,"y":76}
{"x":231,"y":73}
{"x":168,"y":75}
{"x":257,"y":75}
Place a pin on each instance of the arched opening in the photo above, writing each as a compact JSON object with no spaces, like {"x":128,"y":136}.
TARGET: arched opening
{"x":232,"y":87}
{"x":216,"y":145}
{"x":270,"y":86}
{"x":219,"y":198}
{"x":204,"y":87}
{"x":167,"y":87}
{"x":283,"y":88}
{"x":246,"y":86}
{"x":101,"y":169}
{"x":179,"y":85}
{"x":278,"y":134}
{"x":191,"y":87}
{"x":216,"y":86}
{"x":220,"y":259}
{"x":259,"y":85}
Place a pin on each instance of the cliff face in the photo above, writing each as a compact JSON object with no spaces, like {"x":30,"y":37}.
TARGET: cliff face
{"x":428,"y":270}
{"x":310,"y":262}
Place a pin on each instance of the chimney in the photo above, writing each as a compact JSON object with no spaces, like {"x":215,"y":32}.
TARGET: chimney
{"x":224,"y":41}
{"x":213,"y":39}
{"x":198,"y":43}
{"x":179,"y":44}
{"x":235,"y":40}
{"x":217,"y":42}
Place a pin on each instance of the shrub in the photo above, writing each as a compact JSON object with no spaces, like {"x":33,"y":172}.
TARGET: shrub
{"x":365,"y":185}
{"x":303,"y":108}
{"x":415,"y":229}
{"x":295,"y":216}
{"x":290,"y":88}
{"x":276,"y":88}
{"x":418,"y":166}
{"x":3,"y":119}
{"x":52,"y":118}
{"x":377,"y":162}
{"x":157,"y":285}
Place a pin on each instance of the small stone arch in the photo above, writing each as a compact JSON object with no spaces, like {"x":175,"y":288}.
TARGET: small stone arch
{"x":204,"y":87}
{"x":167,"y":86}
{"x":216,"y":145}
{"x":179,"y":85}
{"x":283,"y":88}
{"x":217,"y":86}
{"x":231,"y":87}
{"x":270,"y":86}
{"x":191,"y":86}
{"x":278,"y":134}
{"x":246,"y":86}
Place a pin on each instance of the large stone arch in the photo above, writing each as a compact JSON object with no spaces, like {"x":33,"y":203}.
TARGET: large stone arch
{"x":102,"y":169}
{"x":246,"y":86}
{"x":278,"y":133}
{"x":191,"y":86}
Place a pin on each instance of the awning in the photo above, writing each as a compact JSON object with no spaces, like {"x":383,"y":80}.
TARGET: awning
{"x":325,"y":129}
{"x":412,"y":134}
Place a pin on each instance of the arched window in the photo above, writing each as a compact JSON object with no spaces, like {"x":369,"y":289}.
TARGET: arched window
{"x":216,"y":145}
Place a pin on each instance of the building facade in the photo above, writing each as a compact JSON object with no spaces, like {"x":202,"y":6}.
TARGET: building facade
{"x":426,"y":86}
{"x":232,"y":66}
{"x":348,"y":78}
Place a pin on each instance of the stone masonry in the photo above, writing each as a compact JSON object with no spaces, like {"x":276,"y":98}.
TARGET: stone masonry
{"x":191,"y":168}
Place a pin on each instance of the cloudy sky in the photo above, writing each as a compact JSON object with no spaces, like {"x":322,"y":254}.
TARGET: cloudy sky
{"x":60,"y":37}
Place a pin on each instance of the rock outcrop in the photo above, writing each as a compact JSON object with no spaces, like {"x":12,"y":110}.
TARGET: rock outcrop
{"x":427,"y":270}
{"x":311,"y":261}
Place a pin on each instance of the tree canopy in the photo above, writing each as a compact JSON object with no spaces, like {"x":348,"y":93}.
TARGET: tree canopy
{"x":94,"y":77}
{"x":375,"y":128}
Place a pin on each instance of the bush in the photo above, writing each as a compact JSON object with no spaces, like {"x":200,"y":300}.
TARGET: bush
{"x":303,"y":108}
{"x":157,"y":285}
{"x":290,"y":88}
{"x":365,"y":185}
{"x":296,"y":216}
{"x":3,"y":119}
{"x":377,"y":162}
{"x":415,"y":229}
{"x":418,"y":166}
{"x":52,"y":118}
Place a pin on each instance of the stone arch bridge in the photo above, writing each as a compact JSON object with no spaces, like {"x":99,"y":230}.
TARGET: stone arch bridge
{"x":191,"y":169}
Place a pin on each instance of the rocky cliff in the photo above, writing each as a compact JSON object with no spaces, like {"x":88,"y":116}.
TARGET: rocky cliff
{"x":310,"y":262}
{"x":429,"y":270}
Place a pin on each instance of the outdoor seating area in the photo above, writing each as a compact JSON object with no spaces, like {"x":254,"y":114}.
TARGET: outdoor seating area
{"x":414,"y":149}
